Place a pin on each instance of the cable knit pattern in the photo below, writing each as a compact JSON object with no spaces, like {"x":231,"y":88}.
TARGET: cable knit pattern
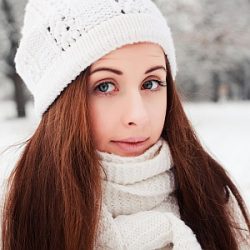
{"x":139,"y":209}
{"x":61,"y":38}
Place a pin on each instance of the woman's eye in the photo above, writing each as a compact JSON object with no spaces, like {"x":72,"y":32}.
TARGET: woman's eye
{"x":152,"y":84}
{"x":107,"y":87}
{"x":104,"y":86}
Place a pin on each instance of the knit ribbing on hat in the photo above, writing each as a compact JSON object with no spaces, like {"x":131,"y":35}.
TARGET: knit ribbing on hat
{"x":61,"y":38}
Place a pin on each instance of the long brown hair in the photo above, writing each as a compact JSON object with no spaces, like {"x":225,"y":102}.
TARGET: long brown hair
{"x":54,"y":196}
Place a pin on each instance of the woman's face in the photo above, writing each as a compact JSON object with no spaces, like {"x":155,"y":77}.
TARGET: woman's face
{"x":128,"y":102}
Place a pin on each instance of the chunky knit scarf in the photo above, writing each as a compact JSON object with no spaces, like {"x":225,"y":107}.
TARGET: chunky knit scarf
{"x":139,"y":208}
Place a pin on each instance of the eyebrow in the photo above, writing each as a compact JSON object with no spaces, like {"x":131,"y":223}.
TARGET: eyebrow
{"x":118,"y":72}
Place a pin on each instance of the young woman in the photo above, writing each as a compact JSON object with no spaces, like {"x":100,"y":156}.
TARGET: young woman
{"x":114,"y":162}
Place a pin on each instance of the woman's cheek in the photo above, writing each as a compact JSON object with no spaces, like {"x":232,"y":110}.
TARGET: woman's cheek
{"x":105,"y":115}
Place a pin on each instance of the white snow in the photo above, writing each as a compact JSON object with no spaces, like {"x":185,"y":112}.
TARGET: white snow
{"x":223,"y":129}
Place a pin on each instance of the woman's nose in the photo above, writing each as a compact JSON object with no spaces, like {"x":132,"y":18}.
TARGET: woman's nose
{"x":134,"y":110}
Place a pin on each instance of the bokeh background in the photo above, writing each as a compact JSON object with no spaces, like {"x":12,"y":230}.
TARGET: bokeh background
{"x":212,"y":41}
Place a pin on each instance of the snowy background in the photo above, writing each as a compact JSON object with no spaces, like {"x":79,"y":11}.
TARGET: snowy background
{"x":222,"y":127}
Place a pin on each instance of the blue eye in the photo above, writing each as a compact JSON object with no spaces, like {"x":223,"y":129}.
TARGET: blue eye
{"x":103,"y":87}
{"x":149,"y":84}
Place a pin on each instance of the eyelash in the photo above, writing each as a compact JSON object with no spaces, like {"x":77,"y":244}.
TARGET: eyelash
{"x":160,"y":84}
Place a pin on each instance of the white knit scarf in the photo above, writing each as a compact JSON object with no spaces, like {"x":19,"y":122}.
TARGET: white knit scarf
{"x":139,"y":210}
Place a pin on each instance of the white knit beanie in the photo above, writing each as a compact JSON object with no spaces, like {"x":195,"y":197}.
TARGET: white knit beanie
{"x":61,"y":38}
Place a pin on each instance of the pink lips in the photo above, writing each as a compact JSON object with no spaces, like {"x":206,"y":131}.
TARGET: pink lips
{"x":132,"y":144}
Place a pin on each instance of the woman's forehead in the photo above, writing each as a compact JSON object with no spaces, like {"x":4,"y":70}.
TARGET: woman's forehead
{"x":140,"y":52}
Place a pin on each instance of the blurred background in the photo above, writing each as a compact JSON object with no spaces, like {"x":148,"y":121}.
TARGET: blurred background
{"x":212,"y":41}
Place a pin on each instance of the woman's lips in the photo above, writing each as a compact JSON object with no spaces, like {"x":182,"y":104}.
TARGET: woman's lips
{"x":131,"y":147}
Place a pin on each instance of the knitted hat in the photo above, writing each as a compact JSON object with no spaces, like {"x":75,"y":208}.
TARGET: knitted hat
{"x":61,"y":38}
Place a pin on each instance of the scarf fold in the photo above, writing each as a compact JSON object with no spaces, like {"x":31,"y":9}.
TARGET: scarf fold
{"x":139,"y":209}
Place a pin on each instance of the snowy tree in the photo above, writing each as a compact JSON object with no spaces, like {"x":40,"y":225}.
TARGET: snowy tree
{"x":10,"y":25}
{"x":211,"y":43}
